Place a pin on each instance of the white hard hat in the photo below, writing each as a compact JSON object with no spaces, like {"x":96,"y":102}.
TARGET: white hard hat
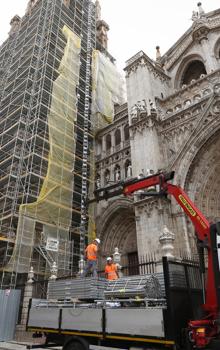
{"x":109,"y":258}
{"x":97,"y":240}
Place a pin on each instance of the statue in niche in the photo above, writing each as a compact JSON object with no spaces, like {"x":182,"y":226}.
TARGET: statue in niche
{"x":107,"y":177}
{"x":129,"y":170}
{"x":118,"y":175}
{"x":98,"y":182}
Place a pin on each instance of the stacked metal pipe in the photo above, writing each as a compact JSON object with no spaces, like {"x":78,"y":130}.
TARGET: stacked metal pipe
{"x":78,"y":288}
{"x":146,"y":286}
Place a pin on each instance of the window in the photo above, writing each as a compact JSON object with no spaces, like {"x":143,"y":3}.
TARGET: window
{"x":193,"y":71}
{"x":126,"y":132}
{"x":108,"y":142}
{"x":117,"y":137}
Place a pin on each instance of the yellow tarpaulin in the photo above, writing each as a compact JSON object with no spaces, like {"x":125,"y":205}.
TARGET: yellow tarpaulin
{"x":54,"y":204}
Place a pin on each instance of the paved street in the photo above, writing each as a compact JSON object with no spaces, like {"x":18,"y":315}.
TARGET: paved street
{"x":17,"y":346}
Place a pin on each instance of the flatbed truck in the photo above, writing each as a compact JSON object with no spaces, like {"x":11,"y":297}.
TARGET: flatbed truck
{"x":187,"y":318}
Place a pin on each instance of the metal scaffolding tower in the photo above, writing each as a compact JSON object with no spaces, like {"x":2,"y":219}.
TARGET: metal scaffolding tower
{"x":29,"y":63}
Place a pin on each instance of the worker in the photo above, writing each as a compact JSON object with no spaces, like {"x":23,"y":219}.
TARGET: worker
{"x":91,"y":258}
{"x":111,"y":272}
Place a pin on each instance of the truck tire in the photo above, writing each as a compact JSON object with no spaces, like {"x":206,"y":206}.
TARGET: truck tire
{"x":76,"y":344}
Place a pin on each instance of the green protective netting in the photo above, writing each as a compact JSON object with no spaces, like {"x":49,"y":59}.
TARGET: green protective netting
{"x":54,"y":204}
{"x":107,"y":89}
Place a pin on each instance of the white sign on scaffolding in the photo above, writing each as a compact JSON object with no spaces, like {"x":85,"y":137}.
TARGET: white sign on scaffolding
{"x":52,"y":244}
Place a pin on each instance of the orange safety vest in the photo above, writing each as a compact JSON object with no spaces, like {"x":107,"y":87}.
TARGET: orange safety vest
{"x":111,"y":270}
{"x":91,"y":251}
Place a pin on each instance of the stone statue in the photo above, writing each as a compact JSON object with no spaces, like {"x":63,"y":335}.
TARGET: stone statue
{"x":97,"y":10}
{"x":129,"y":170}
{"x":107,"y":177}
{"x":118,"y":175}
{"x":98,"y":182}
{"x":195,"y":16}
{"x":152,"y":106}
{"x":134,"y":111}
{"x":102,"y":29}
{"x":30,"y":5}
{"x":201,"y":11}
{"x":15,"y":24}
{"x":141,"y":106}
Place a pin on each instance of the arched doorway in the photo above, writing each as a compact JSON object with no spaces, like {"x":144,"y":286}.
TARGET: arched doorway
{"x":116,"y":227}
{"x":203,"y":179}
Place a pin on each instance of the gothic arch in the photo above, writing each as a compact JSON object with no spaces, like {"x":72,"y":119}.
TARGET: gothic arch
{"x":203,"y":178}
{"x":184,"y":68}
{"x":116,"y":227}
{"x":217,"y":48}
{"x":202,"y":135}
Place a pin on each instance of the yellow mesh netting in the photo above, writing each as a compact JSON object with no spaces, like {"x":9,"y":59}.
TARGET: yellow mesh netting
{"x":54,"y":204}
{"x":107,"y":89}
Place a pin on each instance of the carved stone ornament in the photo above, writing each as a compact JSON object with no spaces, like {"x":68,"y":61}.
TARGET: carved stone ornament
{"x":200,"y":32}
{"x":15,"y":24}
{"x":142,"y":60}
{"x":216,"y":107}
{"x":166,"y":240}
{"x":30,"y":276}
{"x":53,"y":271}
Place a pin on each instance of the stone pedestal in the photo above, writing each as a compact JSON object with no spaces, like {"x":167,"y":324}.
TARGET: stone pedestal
{"x":117,"y":261}
{"x":166,"y":240}
{"x":53,"y":271}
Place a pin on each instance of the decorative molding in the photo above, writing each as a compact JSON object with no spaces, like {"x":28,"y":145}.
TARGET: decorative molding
{"x":196,"y":30}
{"x":184,"y":99}
{"x":142,"y":60}
{"x":148,"y":205}
{"x":142,"y":117}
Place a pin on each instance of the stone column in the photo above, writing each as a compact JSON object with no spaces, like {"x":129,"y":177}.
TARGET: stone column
{"x":28,"y":293}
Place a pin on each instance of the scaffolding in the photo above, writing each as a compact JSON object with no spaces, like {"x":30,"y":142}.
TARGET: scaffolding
{"x":31,"y":63}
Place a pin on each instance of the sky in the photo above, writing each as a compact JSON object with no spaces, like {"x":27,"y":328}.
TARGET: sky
{"x":134,"y":24}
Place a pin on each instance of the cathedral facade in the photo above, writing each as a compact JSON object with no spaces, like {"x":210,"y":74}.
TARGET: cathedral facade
{"x":171,"y":122}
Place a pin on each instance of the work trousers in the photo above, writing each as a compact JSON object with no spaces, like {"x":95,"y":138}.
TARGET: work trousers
{"x":91,"y":266}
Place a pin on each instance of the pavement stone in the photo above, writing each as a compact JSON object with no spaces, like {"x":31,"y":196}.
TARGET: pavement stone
{"x":22,"y":346}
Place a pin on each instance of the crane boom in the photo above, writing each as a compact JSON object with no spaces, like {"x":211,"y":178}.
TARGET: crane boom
{"x":202,"y":331}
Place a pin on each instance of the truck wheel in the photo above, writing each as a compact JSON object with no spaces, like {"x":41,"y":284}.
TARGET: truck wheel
{"x":76,"y":344}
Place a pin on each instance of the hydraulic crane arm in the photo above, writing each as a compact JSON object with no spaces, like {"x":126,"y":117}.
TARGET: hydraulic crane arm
{"x":206,"y":235}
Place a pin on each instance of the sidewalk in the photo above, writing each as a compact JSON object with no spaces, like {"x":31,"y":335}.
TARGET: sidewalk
{"x":22,"y":346}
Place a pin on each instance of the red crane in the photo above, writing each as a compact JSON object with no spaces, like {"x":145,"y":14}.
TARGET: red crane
{"x":202,"y":331}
